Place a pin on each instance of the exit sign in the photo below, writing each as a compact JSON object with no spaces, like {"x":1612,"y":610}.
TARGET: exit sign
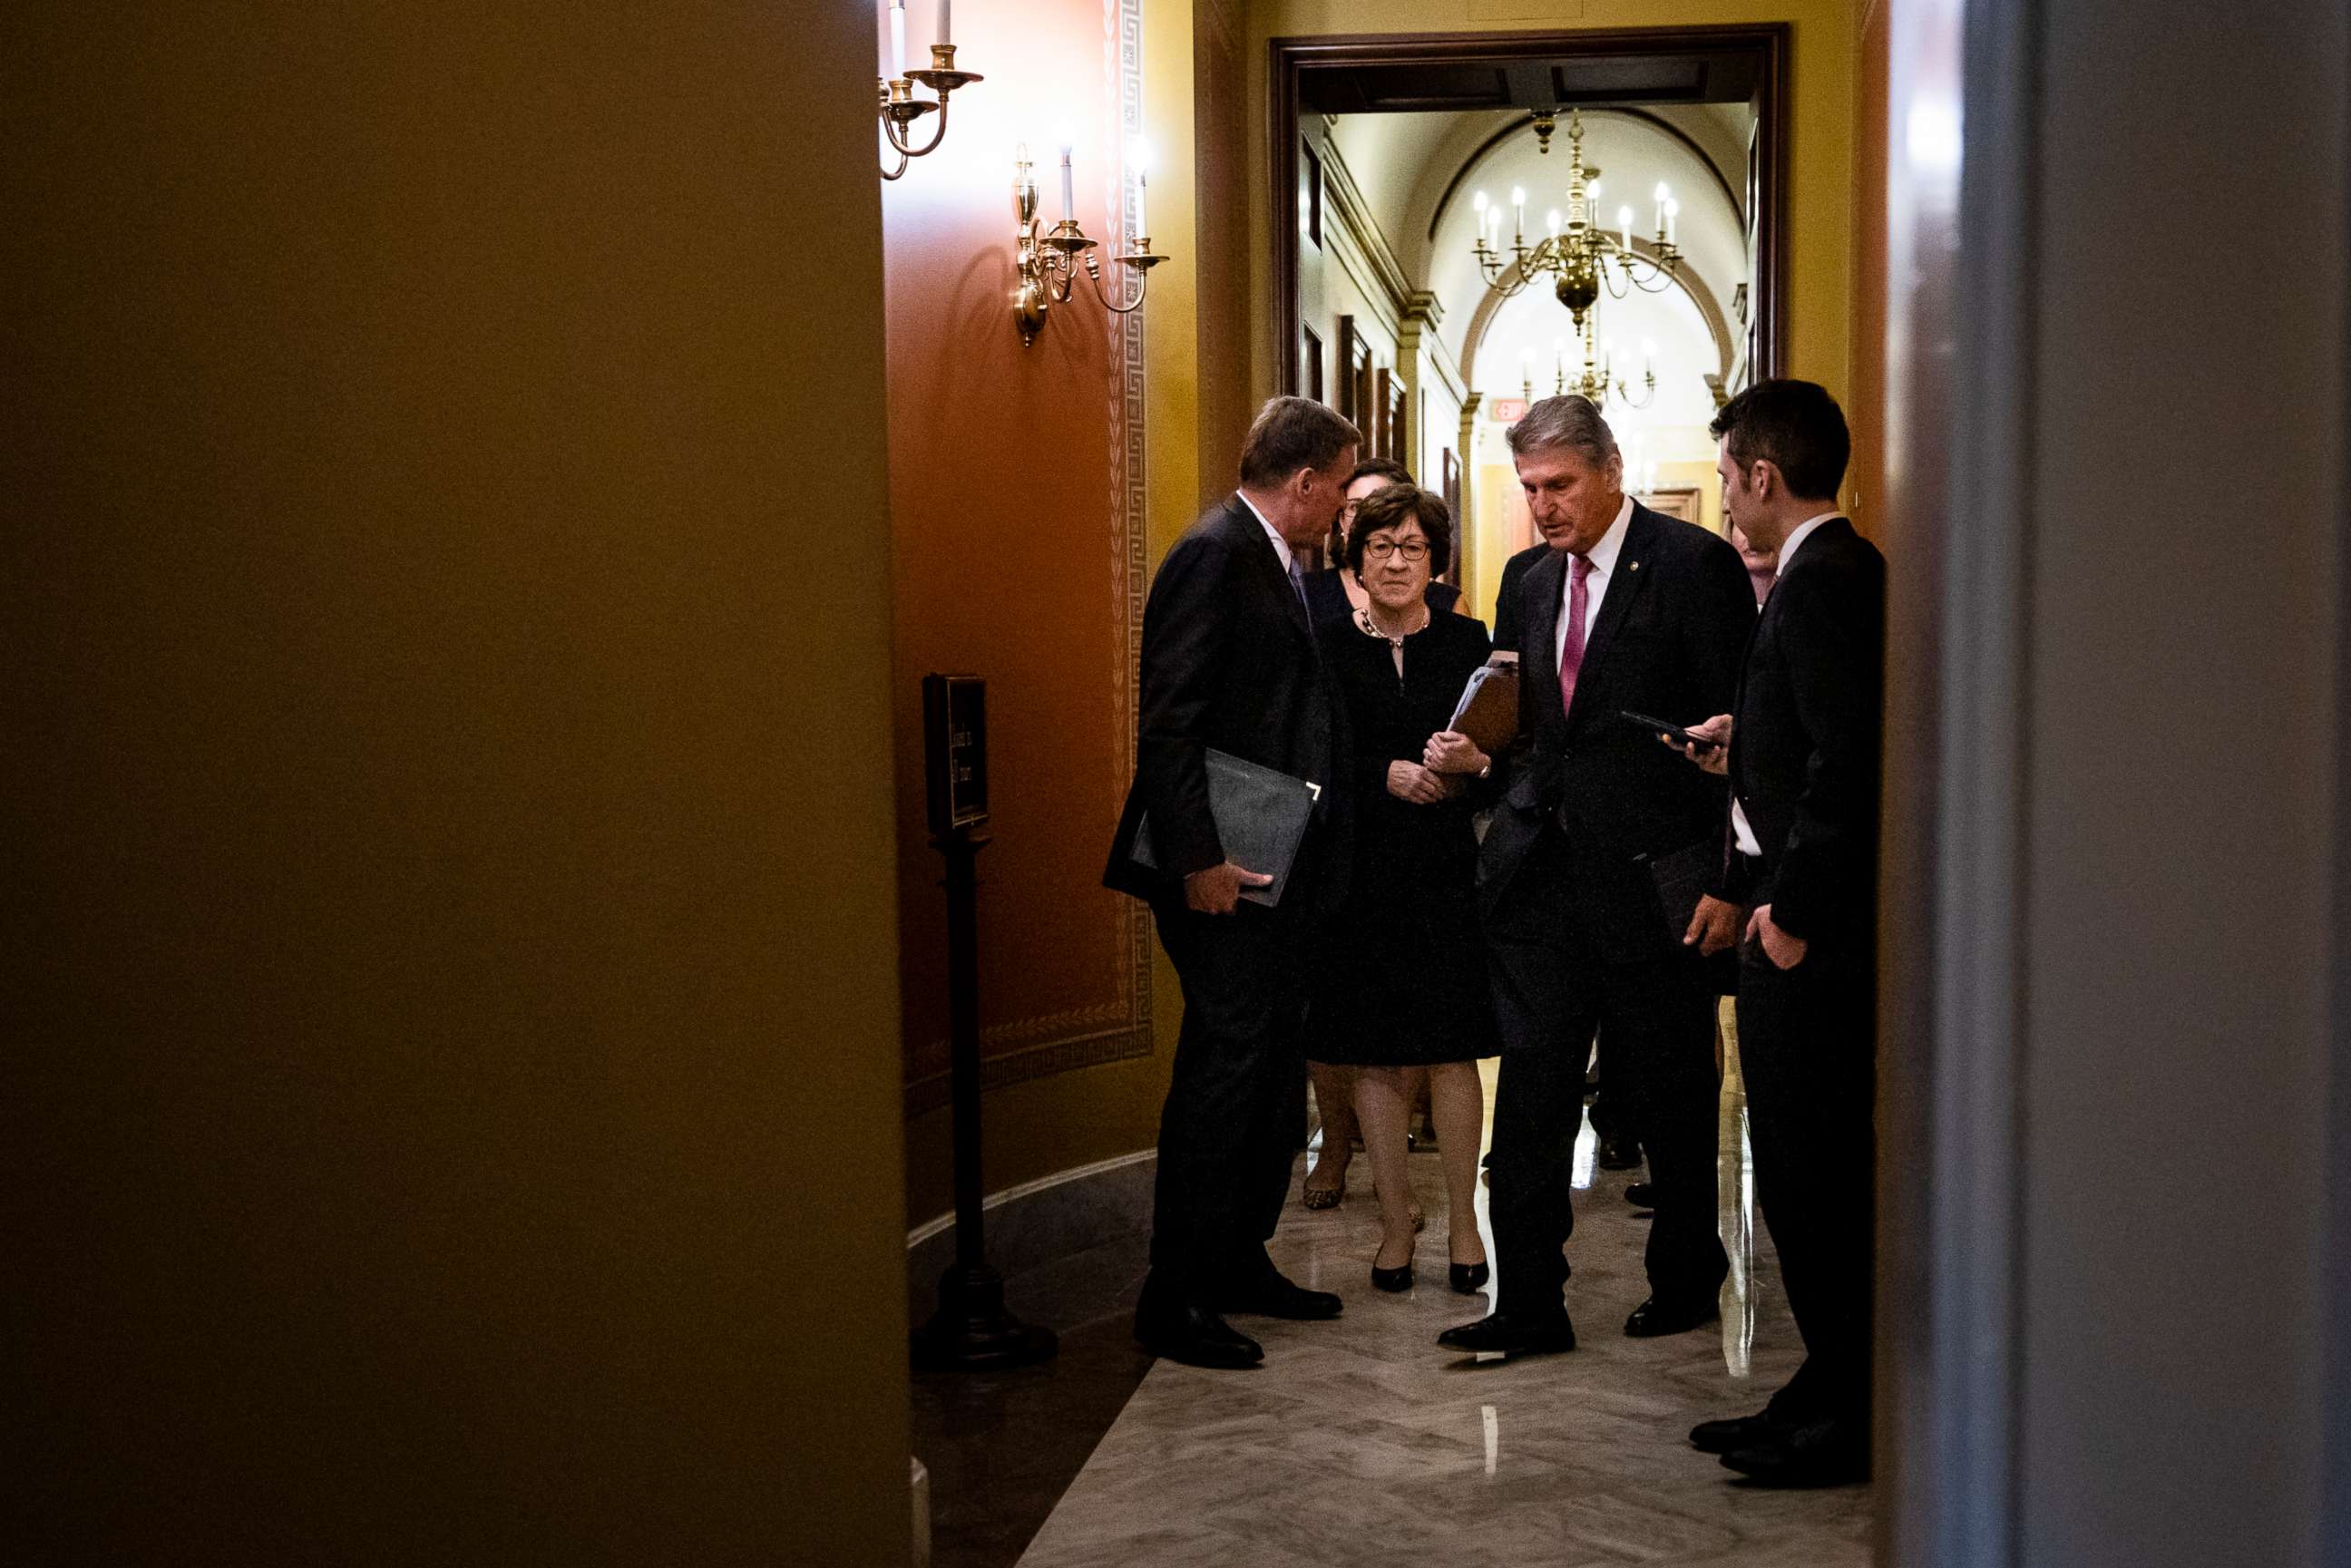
{"x":1509,"y":410}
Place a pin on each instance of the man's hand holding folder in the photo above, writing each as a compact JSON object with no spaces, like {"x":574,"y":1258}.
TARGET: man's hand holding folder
{"x":1217,"y":890}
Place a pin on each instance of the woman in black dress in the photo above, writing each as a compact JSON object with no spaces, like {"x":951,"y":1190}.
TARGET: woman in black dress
{"x":1404,"y":988}
{"x":1335,"y":593}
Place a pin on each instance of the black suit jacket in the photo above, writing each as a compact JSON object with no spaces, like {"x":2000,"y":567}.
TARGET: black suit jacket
{"x":1229,"y":661}
{"x":1805,"y":749}
{"x":1667,"y":642}
{"x":1507,"y":625}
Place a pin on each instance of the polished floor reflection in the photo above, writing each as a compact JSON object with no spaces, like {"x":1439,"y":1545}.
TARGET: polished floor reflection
{"x":1359,"y":1438}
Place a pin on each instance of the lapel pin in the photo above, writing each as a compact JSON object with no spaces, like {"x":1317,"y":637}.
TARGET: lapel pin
{"x":1635,"y":566}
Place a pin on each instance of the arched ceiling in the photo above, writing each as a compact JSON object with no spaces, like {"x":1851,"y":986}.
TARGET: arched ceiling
{"x":1418,"y":174}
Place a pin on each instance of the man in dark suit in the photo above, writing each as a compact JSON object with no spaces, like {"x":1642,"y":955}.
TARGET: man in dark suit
{"x":1803,"y":758}
{"x":1630,"y":610}
{"x":1230,"y":661}
{"x":1619,"y":1147}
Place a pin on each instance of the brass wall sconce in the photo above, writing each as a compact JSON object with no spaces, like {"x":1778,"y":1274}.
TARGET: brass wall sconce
{"x":1050,"y":261}
{"x":899,"y":106}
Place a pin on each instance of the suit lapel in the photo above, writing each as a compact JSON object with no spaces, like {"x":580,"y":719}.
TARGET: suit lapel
{"x":1538,"y":648}
{"x":1624,"y":583}
{"x":1269,"y":565}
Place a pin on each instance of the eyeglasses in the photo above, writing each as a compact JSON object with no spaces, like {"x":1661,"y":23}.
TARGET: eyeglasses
{"x":1411,"y":549}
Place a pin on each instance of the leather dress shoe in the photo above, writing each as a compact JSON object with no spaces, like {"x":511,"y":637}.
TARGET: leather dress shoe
{"x":1734,"y":1433}
{"x":1468,"y":1279}
{"x":1821,"y":1454}
{"x":1617,"y":1153}
{"x":1194,"y":1336}
{"x":1654,"y":1317}
{"x":1641,"y":1194}
{"x":1500,"y":1333}
{"x":1274,"y":1295}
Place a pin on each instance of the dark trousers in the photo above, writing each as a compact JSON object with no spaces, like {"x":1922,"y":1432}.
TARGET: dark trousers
{"x":1807,"y":1046}
{"x":1227,"y":1133}
{"x":1552,"y":990}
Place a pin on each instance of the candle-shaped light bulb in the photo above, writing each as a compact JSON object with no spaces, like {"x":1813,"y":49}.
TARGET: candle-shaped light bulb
{"x":1554,"y":222}
{"x":1139,"y":155}
{"x":897,"y":39}
{"x":1624,"y":226}
{"x":1519,"y":206}
{"x":1069,"y":184}
{"x":1663,"y":190}
{"x":1477,"y":205}
{"x":947,"y":21}
{"x":1673,"y":211}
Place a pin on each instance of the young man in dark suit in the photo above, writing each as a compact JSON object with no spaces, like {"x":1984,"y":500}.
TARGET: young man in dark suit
{"x":1631,"y":609}
{"x":1230,"y":661}
{"x":1802,"y":757}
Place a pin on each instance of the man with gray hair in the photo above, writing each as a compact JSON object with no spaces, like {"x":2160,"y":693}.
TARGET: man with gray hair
{"x":1631,"y":610}
{"x":1230,"y":662}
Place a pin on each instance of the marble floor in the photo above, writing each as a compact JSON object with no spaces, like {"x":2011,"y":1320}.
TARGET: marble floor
{"x":1360,"y":1437}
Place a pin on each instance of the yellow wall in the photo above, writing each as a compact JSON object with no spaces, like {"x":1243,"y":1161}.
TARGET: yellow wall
{"x":1820,"y":203}
{"x":452,"y":1010}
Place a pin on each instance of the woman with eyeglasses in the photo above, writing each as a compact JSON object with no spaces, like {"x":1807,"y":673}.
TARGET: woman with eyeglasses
{"x":1335,"y":593}
{"x":1403,"y":989}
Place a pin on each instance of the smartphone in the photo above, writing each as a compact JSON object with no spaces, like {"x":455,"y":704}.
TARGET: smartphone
{"x":1659,"y":726}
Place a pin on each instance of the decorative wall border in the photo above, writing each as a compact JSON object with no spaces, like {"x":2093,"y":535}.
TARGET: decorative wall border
{"x":1118,"y":1030}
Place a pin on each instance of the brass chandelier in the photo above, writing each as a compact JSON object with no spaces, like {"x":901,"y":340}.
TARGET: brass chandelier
{"x":1582,"y":256}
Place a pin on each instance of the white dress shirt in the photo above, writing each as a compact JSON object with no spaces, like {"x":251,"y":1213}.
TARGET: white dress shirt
{"x":1741,"y":830}
{"x":1602,"y":557}
{"x":1280,"y":545}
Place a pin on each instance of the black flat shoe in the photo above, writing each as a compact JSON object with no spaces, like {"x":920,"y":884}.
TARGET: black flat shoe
{"x":1468,"y":1279}
{"x":1498,"y":1333}
{"x":1641,"y":1194}
{"x":1731,"y":1434}
{"x":1393,"y":1280}
{"x":1824,"y":1454}
{"x":1196,"y":1337}
{"x":1617,"y":1153}
{"x":1654,"y":1317}
{"x":1274,"y":1295}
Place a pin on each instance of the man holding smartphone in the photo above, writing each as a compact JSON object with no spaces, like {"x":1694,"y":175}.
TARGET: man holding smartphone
{"x":1802,"y":758}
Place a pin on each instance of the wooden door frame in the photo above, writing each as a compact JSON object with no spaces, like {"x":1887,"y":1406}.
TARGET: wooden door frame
{"x":1289,"y":59}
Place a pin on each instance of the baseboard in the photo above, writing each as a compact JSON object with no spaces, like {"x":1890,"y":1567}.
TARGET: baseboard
{"x":1040,"y":1222}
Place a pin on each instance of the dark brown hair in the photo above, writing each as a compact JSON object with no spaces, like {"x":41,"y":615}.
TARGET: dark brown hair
{"x":1291,"y":434}
{"x":1392,"y":508}
{"x":1386,"y":468}
{"x":1797,"y":427}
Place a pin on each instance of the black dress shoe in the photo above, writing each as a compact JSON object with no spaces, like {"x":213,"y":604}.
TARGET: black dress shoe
{"x":1498,"y":1333}
{"x":1822,"y":1453}
{"x":1274,"y":1295}
{"x":1654,"y":1317}
{"x":1731,"y":1434}
{"x":1392,"y":1281}
{"x":1641,"y":1194}
{"x":1468,"y":1279}
{"x":1194,"y":1336}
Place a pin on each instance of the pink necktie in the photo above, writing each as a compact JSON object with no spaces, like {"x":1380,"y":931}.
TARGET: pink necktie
{"x":1570,"y":653}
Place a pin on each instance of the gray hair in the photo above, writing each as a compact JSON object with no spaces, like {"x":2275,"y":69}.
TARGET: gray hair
{"x":1571,"y":422}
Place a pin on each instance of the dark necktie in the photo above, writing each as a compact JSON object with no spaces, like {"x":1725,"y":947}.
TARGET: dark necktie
{"x":1298,"y":582}
{"x":1570,"y":653}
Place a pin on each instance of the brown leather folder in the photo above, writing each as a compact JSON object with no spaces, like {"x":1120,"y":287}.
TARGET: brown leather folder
{"x":1489,"y":711}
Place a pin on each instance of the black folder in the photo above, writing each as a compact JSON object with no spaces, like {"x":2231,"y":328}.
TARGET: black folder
{"x":1262,"y":819}
{"x":1682,"y":878}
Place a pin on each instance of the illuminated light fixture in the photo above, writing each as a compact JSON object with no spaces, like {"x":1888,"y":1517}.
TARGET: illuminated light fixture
{"x":1582,"y":256}
{"x":900,"y":109}
{"x":1050,"y":261}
